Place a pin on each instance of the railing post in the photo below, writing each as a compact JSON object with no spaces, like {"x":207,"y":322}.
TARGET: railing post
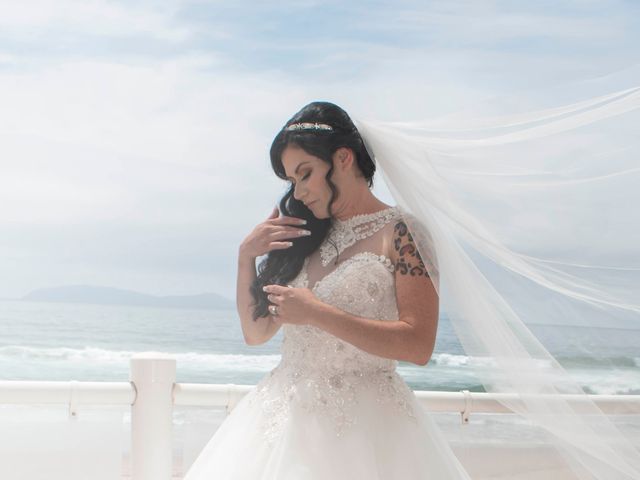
{"x":153,"y":375}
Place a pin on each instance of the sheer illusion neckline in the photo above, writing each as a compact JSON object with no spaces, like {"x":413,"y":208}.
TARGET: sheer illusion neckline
{"x":384,"y":260}
{"x":345,"y":233}
{"x":363,"y":217}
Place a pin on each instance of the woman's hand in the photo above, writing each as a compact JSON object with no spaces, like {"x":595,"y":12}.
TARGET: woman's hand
{"x":270,"y":235}
{"x":298,"y":306}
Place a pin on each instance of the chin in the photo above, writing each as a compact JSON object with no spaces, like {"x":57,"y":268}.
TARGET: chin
{"x":319,"y":213}
{"x":323,"y":214}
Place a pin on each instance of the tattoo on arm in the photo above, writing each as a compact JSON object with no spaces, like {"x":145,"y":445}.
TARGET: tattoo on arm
{"x":409,"y":260}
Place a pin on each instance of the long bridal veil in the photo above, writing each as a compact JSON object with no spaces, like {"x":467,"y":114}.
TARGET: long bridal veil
{"x":528,"y":218}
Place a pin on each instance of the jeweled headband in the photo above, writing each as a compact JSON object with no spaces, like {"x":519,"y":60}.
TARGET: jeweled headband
{"x":308,"y":126}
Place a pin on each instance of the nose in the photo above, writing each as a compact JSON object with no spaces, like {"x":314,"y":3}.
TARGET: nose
{"x":296,"y":192}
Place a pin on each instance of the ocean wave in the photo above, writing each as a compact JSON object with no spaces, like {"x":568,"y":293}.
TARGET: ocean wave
{"x":587,"y":361}
{"x":103,"y":356}
{"x":446,"y":371}
{"x":569,"y":362}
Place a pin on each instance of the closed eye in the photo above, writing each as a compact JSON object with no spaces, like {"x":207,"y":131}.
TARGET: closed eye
{"x":303,"y":178}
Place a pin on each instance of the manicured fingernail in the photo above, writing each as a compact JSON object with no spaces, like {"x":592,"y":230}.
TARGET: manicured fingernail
{"x":304,"y":232}
{"x":303,"y":221}
{"x":264,"y":289}
{"x":289,"y":244}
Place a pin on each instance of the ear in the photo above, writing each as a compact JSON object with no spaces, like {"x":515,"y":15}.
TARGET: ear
{"x":343,"y":157}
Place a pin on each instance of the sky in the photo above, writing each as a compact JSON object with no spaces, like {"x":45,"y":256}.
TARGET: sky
{"x":134,"y":136}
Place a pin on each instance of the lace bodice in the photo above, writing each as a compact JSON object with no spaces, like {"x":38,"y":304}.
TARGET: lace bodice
{"x":318,"y":369}
{"x":362,"y":285}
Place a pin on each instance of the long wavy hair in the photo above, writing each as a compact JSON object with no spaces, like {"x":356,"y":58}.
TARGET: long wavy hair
{"x":283,"y":265}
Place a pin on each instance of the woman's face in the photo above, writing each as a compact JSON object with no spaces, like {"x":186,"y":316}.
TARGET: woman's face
{"x":308,"y":174}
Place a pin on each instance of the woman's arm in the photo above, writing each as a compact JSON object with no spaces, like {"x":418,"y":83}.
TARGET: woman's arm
{"x":261,"y":330}
{"x":265,"y":237}
{"x":412,"y":337}
{"x":397,"y":340}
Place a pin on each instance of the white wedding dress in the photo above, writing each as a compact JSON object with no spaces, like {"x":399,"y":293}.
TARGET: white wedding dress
{"x":329,"y":410}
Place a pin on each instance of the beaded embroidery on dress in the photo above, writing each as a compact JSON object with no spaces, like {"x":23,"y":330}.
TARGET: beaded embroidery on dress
{"x":330,"y":409}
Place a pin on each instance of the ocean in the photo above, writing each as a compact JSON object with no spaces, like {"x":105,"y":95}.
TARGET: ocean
{"x":87,"y":342}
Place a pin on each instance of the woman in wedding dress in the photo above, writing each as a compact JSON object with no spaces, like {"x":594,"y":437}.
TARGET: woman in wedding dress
{"x":356,"y":285}
{"x":344,"y":280}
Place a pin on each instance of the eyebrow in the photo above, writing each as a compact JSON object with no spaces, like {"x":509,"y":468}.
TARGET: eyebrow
{"x":296,"y":170}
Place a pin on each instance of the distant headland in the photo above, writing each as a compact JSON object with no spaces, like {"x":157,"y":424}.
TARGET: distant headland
{"x":118,"y":296}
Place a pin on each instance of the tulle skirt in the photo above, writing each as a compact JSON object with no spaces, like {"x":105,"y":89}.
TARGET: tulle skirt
{"x":379,"y":441}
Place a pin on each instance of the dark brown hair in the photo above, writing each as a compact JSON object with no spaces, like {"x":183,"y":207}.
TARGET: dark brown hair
{"x":283,"y":265}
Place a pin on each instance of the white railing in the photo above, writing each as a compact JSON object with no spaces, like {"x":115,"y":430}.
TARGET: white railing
{"x":152,"y":393}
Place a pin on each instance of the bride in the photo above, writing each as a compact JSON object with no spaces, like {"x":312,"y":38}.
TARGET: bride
{"x":357,"y":285}
{"x":346,"y":283}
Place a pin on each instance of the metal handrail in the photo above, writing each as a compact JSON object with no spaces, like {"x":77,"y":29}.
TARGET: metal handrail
{"x":228,"y":395}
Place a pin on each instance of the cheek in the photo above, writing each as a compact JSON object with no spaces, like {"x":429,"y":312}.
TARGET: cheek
{"x":319,"y":184}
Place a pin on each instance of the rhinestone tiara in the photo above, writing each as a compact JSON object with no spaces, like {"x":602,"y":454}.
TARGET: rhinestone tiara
{"x":308,"y":126}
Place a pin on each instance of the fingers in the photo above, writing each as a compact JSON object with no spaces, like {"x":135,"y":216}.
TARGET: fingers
{"x":279,"y":245}
{"x":275,"y":289}
{"x":276,"y":303}
{"x":286,"y":220}
{"x":275,"y":236}
{"x":275,"y":299}
{"x":280,"y":233}
{"x":274,"y":213}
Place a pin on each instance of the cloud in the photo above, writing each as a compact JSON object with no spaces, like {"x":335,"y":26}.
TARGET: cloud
{"x":35,"y":19}
{"x":135,"y":136}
